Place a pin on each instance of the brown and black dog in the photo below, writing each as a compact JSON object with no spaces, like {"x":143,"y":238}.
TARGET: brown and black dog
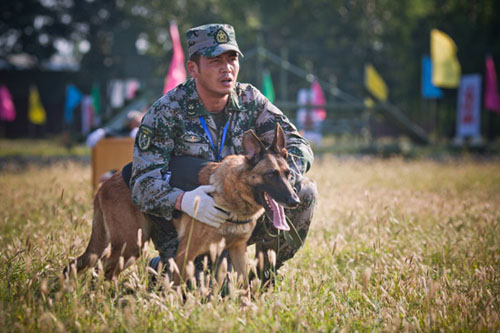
{"x":246,"y":185}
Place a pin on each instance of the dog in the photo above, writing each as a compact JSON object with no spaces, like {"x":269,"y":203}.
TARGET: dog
{"x":246,"y":185}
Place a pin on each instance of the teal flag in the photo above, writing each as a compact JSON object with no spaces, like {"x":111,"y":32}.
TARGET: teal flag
{"x":96,"y":100}
{"x":267,"y":86}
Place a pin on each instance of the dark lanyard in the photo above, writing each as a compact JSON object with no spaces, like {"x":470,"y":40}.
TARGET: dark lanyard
{"x":205,"y":127}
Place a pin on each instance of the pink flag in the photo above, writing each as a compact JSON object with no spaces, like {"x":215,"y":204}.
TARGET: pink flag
{"x":318,"y":98}
{"x":491,"y":98}
{"x":176,"y":71}
{"x":7,"y":110}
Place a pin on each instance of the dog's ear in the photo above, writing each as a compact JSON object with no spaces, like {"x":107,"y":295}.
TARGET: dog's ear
{"x":254,"y":148}
{"x":279,"y":142}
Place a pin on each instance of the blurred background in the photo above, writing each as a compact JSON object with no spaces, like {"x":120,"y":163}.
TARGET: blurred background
{"x":69,"y":67}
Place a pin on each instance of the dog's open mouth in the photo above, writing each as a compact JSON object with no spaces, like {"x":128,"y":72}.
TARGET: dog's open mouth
{"x":276,"y":212}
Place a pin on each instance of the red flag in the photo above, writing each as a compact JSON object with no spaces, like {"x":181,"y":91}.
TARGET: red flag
{"x":7,"y":110}
{"x":318,"y":98}
{"x":491,"y":98}
{"x":176,"y":71}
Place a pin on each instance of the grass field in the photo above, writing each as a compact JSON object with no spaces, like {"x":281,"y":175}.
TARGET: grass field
{"x":394,"y":245}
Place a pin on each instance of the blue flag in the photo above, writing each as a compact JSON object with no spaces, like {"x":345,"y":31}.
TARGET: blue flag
{"x":73,"y":97}
{"x":428,"y":89}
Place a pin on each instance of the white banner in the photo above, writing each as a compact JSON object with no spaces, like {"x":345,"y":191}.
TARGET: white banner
{"x":469,"y":107}
{"x":87,"y":114}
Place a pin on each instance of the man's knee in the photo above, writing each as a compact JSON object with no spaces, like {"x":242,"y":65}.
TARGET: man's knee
{"x":302,"y":215}
{"x":307,"y":191}
{"x":164,"y":237}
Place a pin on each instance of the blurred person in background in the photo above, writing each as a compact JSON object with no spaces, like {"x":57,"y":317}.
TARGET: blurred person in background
{"x":129,"y":129}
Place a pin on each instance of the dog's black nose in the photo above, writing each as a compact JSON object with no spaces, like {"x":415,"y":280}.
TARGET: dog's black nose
{"x":293,"y":200}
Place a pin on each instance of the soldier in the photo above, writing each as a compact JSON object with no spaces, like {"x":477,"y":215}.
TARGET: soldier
{"x":204,"y":119}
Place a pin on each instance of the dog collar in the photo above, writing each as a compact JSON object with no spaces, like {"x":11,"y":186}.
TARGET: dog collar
{"x":239,"y":221}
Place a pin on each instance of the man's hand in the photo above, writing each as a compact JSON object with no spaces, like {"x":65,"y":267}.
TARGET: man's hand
{"x":207,"y":211}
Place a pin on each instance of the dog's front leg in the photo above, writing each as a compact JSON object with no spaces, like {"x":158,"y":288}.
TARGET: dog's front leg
{"x":238,"y":255}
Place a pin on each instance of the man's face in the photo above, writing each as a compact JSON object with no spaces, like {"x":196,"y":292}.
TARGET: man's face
{"x":216,"y":77}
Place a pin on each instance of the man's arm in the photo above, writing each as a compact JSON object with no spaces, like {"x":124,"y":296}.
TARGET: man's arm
{"x":151,"y":191}
{"x":154,"y":144}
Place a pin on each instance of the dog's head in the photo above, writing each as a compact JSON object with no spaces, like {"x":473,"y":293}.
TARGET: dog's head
{"x":269,"y":175}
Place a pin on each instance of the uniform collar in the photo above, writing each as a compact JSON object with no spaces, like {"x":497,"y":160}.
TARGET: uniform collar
{"x":234,"y":101}
{"x":194,"y":106}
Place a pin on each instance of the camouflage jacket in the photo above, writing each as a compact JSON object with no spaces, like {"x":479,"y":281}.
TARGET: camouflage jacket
{"x":172,"y":127}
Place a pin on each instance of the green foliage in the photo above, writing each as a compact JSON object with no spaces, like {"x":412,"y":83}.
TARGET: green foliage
{"x":332,"y":39}
{"x":30,"y":27}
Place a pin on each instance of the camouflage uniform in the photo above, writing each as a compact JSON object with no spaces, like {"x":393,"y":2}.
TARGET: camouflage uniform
{"x":172,"y":127}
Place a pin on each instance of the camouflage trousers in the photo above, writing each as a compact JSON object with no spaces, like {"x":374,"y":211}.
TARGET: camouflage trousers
{"x":264,"y":236}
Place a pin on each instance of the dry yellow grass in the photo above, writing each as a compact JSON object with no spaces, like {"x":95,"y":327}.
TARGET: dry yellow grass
{"x":395,"y":245}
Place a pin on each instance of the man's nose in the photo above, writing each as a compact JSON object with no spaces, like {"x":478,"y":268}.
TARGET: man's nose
{"x":227,"y":67}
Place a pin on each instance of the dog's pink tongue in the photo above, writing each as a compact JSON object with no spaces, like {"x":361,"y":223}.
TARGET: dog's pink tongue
{"x":278,"y":215}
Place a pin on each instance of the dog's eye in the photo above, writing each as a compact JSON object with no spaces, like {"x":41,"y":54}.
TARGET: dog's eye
{"x":287,"y":174}
{"x":273,"y":173}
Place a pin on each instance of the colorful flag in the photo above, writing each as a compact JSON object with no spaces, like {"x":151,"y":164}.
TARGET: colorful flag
{"x":491,"y":97}
{"x":428,"y":89}
{"x":304,"y":118}
{"x":87,"y":114}
{"x":369,"y":102}
{"x":36,"y":112}
{"x":96,"y":99}
{"x":117,"y":96}
{"x":7,"y":110}
{"x":446,"y":68}
{"x":267,"y":86}
{"x":176,"y":71}
{"x":318,"y":99}
{"x":73,"y":97}
{"x":469,"y":111}
{"x":131,"y":88}
{"x":375,"y":84}
{"x":308,"y":120}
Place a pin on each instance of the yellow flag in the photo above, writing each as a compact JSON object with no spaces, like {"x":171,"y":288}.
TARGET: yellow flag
{"x":36,"y":112}
{"x":375,"y":84}
{"x":445,"y":66}
{"x":369,"y":102}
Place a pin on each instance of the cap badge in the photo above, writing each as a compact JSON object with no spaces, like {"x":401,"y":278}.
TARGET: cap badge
{"x":221,"y":37}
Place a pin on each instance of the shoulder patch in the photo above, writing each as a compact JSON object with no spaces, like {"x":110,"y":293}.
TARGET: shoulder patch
{"x":144,"y":137}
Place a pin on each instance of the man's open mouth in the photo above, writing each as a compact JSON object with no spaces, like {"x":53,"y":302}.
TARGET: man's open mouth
{"x":226,"y":81}
{"x":275,"y":212}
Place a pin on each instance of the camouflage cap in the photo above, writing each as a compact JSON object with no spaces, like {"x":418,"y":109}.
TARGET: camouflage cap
{"x":211,"y":40}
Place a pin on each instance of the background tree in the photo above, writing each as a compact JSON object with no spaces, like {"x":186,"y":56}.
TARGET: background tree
{"x":331,"y":38}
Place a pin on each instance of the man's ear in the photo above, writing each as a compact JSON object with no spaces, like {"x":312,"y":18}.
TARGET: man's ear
{"x":252,"y":146}
{"x":192,"y":68}
{"x":279,"y":141}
